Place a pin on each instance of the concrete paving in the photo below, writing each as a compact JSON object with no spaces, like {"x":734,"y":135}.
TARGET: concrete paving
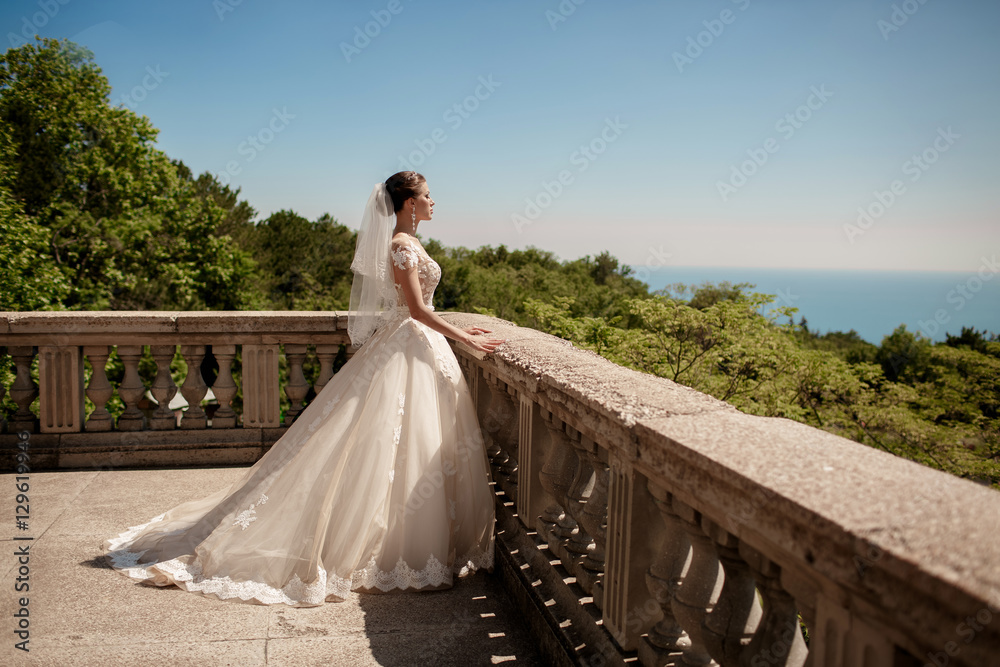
{"x":82,"y":613}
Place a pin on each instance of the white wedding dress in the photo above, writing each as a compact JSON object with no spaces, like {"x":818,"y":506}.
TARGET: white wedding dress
{"x":381,"y":483}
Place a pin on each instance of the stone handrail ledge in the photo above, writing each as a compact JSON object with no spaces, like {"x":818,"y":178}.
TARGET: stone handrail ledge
{"x":663,"y":524}
{"x":888,"y":562}
{"x":179,"y":327}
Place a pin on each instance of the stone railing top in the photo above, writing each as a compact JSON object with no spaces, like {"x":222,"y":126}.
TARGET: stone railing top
{"x":543,"y":361}
{"x":212,"y":327}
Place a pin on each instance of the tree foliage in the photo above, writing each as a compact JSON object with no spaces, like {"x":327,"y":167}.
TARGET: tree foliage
{"x":121,"y":224}
{"x":29,"y":279}
{"x":303,"y":265}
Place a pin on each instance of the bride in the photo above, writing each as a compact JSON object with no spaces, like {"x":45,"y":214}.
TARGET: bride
{"x":381,"y":483}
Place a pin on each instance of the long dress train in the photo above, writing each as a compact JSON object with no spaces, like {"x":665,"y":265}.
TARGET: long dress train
{"x":381,"y":483}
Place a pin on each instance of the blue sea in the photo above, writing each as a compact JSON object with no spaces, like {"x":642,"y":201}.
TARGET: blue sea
{"x":873,"y":303}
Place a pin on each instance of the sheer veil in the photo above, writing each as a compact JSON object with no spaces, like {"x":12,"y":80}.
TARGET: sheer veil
{"x":373,"y":294}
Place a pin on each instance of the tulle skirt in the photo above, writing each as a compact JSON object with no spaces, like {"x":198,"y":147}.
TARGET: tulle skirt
{"x":381,"y":483}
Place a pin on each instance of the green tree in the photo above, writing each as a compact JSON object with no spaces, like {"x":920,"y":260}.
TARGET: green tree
{"x":904,"y":355}
{"x":123,"y":227}
{"x":29,"y":279}
{"x":972,"y":339}
{"x":303,"y":265}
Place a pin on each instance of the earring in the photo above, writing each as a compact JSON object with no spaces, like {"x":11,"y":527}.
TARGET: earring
{"x":413,"y":216}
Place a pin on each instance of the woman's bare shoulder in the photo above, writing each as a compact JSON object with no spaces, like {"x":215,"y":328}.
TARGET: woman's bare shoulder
{"x":402,"y":238}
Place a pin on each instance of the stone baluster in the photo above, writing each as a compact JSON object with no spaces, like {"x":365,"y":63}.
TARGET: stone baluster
{"x":493,"y":424}
{"x":664,"y":643}
{"x":730,"y":626}
{"x":326,"y":355}
{"x":297,"y":387}
{"x":840,"y":638}
{"x":163,"y":389}
{"x":261,"y":407}
{"x":99,"y":391}
{"x":500,"y":427}
{"x":469,"y":371}
{"x":131,"y":389}
{"x":778,"y":641}
{"x":194,"y":388}
{"x":557,"y":475}
{"x":24,"y":390}
{"x":484,"y":397}
{"x":60,"y":380}
{"x":627,"y":610}
{"x":580,"y":542}
{"x":594,"y":520}
{"x":532,"y":498}
{"x":569,"y":527}
{"x":509,"y":435}
{"x":700,"y":587}
{"x":224,"y":387}
{"x":489,"y":427}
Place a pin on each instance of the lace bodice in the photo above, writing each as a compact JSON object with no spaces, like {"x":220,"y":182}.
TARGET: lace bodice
{"x":407,"y":252}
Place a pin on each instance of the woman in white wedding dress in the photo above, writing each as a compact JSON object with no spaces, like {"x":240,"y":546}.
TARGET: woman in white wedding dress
{"x":382,"y":483}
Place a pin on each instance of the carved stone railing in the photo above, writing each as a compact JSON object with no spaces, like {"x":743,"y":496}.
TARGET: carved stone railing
{"x":649,"y":523}
{"x":56,"y":345}
{"x":639,"y":521}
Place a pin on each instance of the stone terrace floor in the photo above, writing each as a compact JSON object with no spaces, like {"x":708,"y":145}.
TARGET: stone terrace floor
{"x":82,"y":613}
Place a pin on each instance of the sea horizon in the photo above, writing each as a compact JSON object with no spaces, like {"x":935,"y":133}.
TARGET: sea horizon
{"x":872,"y":302}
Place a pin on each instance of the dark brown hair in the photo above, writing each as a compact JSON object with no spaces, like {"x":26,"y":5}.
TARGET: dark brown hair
{"x":403,"y":185}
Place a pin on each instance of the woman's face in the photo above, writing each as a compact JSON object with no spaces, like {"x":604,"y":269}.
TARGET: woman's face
{"x":423,"y":204}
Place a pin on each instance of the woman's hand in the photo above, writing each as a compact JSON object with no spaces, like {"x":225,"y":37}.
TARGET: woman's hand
{"x":486,"y":345}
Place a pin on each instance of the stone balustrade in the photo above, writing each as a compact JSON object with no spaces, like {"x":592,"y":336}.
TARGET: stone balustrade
{"x":639,"y":521}
{"x":649,"y":523}
{"x":68,"y":438}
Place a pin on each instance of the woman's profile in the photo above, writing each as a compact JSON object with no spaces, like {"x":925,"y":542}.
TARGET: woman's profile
{"x":380,"y":484}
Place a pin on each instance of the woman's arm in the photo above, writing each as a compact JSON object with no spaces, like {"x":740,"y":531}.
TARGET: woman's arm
{"x":404,"y":271}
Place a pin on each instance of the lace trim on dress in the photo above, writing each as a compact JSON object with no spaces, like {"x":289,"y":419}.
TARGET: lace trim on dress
{"x":448,"y":365}
{"x":403,"y":255}
{"x":406,"y":253}
{"x":249,"y":515}
{"x":296,"y":592}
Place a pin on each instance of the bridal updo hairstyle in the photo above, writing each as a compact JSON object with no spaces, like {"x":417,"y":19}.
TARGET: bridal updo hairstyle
{"x":403,"y":185}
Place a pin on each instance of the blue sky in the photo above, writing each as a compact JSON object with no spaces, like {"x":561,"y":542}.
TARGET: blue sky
{"x":721,"y":133}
